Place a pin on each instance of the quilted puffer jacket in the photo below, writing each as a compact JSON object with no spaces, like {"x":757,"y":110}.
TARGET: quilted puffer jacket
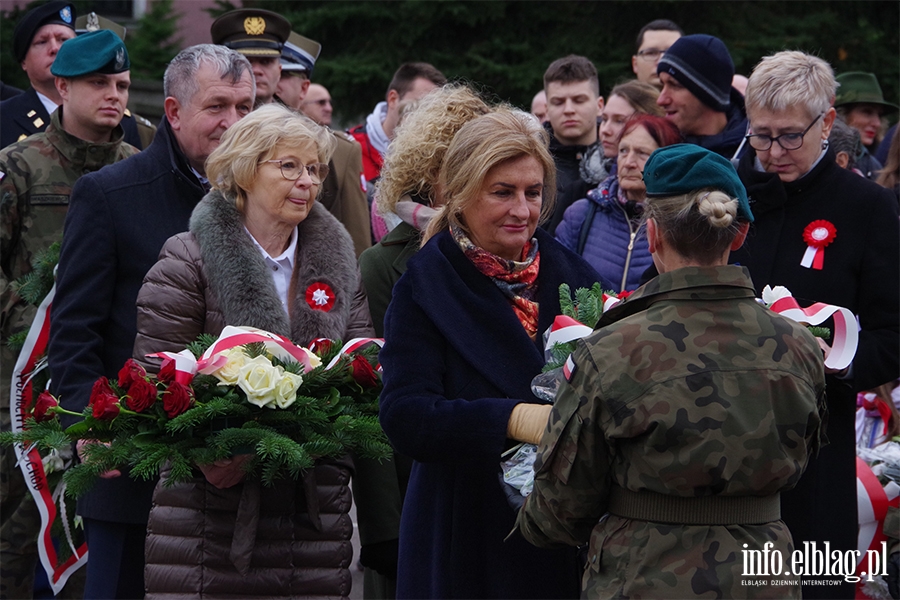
{"x":616,"y":245}
{"x":249,"y":541}
{"x":291,"y":540}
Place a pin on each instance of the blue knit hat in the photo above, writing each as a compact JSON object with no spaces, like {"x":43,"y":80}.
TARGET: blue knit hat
{"x":93,"y":52}
{"x":684,"y":168}
{"x":702,"y":64}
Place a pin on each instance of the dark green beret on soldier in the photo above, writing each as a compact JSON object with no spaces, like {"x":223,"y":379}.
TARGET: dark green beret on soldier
{"x":94,"y":52}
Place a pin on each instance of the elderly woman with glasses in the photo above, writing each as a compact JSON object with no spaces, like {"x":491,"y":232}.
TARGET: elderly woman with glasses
{"x":257,"y":245}
{"x":829,"y":236}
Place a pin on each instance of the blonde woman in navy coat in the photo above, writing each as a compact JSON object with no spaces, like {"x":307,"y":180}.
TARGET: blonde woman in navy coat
{"x":462,"y":346}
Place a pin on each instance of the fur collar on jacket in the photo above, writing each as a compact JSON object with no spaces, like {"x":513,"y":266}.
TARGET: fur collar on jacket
{"x":244,"y":288}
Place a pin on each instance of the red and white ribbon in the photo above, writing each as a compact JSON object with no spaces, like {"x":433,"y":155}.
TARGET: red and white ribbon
{"x":352,"y":346}
{"x":845,"y":337}
{"x":873,"y":501}
{"x":564,"y":329}
{"x":186,"y":366}
{"x":817,"y":235}
{"x":27,"y":366}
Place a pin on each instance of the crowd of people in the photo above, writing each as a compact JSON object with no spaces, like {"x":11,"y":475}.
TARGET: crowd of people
{"x":691,"y":426}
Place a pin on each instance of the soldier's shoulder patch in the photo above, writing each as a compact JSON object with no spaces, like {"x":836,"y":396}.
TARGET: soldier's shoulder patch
{"x":569,"y":368}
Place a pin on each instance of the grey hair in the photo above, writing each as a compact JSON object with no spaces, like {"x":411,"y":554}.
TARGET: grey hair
{"x":180,"y":80}
{"x":844,"y":138}
{"x":791,"y":78}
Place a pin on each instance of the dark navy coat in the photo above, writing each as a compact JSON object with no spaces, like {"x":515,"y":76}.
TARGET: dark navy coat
{"x":456,"y":361}
{"x":118,"y":220}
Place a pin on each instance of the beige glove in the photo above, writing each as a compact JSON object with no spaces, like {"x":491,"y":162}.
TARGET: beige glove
{"x":528,"y":422}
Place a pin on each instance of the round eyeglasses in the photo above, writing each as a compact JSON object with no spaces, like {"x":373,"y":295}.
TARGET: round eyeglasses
{"x":292,"y":170}
{"x":788,"y":141}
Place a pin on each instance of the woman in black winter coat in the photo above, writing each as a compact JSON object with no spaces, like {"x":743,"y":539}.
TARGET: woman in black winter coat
{"x":829,"y":236}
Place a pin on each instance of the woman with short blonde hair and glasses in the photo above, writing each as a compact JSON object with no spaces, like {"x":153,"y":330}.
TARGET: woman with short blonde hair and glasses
{"x":829,"y":236}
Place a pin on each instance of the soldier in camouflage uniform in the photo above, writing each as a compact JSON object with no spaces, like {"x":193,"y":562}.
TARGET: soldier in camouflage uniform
{"x":684,"y":414}
{"x":36,"y":178}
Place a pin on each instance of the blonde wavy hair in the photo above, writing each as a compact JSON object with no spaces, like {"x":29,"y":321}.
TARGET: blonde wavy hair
{"x":233,"y":166}
{"x":700,"y":225}
{"x":414,"y":161}
{"x":480,"y":145}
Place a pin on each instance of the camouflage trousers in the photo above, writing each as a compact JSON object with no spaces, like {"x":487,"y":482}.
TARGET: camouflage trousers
{"x":20,"y":523}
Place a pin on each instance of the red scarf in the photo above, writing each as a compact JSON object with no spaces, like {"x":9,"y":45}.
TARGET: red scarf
{"x":516,"y":279}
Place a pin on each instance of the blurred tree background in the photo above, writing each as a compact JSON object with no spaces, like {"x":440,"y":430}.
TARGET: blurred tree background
{"x":503,"y":47}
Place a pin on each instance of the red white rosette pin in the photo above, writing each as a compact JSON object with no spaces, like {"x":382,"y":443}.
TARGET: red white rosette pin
{"x":320,"y":296}
{"x":817,"y":235}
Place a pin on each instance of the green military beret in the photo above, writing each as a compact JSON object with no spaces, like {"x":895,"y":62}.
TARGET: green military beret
{"x":251,"y":31}
{"x":94,"y":52}
{"x":685,"y":168}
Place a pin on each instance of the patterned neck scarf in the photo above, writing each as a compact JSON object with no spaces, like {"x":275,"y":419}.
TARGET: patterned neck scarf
{"x":516,"y":279}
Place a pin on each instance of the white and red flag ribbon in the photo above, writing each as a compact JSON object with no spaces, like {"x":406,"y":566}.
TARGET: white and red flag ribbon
{"x":30,"y":362}
{"x":845,"y":337}
{"x":186,"y":366}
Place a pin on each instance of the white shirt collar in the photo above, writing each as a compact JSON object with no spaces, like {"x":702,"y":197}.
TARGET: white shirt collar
{"x":287,"y":255}
{"x":49,"y":104}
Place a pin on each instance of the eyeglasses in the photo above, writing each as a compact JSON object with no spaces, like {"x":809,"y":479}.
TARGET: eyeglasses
{"x":651,"y":54}
{"x":292,"y":170}
{"x":788,"y":141}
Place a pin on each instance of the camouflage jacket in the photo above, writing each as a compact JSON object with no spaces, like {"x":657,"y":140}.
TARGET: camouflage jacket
{"x":36,"y":178}
{"x":689,"y":389}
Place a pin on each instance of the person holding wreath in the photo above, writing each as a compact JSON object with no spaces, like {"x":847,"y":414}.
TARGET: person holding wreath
{"x":260,"y":252}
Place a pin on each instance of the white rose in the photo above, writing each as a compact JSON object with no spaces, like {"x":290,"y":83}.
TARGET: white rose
{"x":772,"y":295}
{"x":258,"y":379}
{"x":228,"y":373}
{"x":314,"y":361}
{"x":286,"y":388}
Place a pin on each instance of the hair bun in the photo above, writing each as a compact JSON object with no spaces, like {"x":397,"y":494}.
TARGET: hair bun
{"x":718,"y":207}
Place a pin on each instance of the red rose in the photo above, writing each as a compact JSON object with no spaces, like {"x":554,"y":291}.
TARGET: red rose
{"x":177,"y":399}
{"x":41,"y":407}
{"x":130,"y":373}
{"x":141,"y":395}
{"x":167,"y":372}
{"x":363,"y":373}
{"x":321,"y":346}
{"x":104,"y":403}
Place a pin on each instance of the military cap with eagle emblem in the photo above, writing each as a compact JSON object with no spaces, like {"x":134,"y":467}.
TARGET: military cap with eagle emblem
{"x":251,"y":31}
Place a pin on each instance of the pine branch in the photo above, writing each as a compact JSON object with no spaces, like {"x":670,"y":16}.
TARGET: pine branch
{"x":566,"y":306}
{"x":201,"y":344}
